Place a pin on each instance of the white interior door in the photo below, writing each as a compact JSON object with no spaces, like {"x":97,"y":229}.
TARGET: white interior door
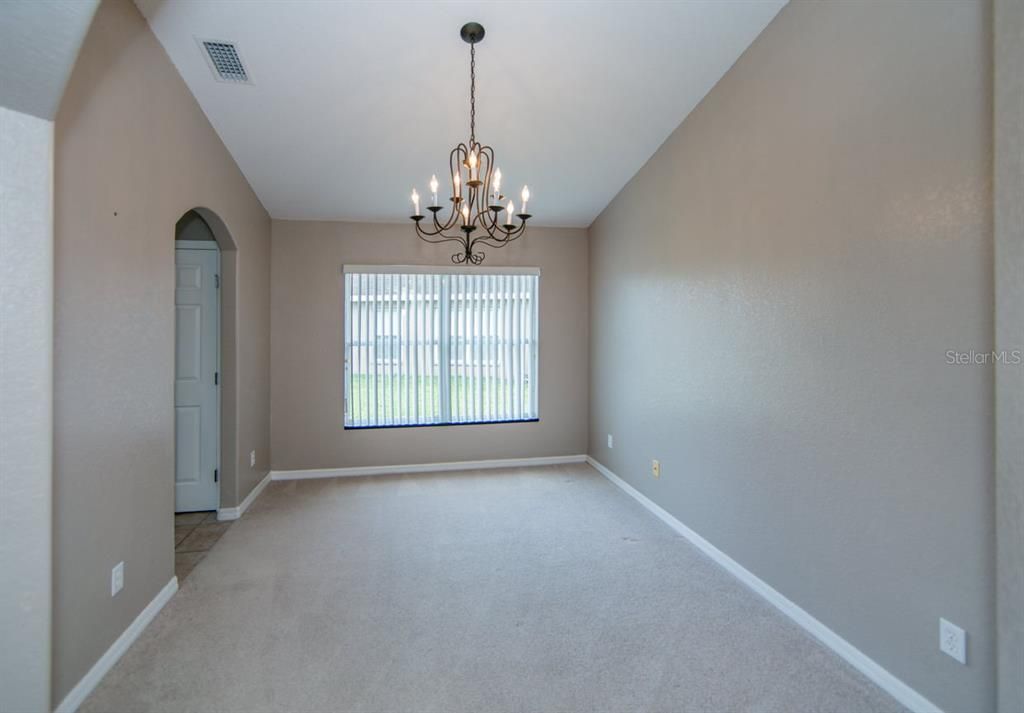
{"x":196,"y":378}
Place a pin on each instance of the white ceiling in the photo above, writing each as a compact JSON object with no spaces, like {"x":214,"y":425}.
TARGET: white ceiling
{"x":354,"y":103}
{"x":39,"y":41}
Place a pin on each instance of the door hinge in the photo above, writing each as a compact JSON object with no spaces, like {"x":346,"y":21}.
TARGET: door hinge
{"x":216,"y":281}
{"x":216,"y":475}
{"x":216,"y":378}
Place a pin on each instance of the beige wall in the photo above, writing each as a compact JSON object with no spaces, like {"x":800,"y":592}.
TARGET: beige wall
{"x":772,"y":299}
{"x":306,"y":314}
{"x":133,"y":153}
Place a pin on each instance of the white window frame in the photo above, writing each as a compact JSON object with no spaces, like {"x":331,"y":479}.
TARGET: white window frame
{"x":444,"y":340}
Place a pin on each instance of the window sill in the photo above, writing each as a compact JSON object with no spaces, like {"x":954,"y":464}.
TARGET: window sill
{"x":435,"y":425}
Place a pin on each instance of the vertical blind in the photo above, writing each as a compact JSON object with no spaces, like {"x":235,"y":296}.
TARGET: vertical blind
{"x":439,"y":347}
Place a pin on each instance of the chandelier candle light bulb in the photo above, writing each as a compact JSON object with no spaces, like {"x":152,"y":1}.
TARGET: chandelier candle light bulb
{"x":526,"y":197}
{"x":457,"y":177}
{"x":497,"y":185}
{"x":465,"y":215}
{"x":415,"y":202}
{"x":511,"y":210}
{"x":433,"y":188}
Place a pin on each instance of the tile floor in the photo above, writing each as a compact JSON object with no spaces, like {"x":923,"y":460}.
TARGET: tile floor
{"x":194,"y":534}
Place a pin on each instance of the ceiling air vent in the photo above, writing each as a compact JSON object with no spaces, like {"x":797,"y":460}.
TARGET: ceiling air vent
{"x":225,"y":62}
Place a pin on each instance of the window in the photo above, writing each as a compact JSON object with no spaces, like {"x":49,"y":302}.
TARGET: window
{"x":436,"y":346}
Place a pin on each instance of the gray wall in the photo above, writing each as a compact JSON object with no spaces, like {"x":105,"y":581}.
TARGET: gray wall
{"x":32,"y":79}
{"x":772,"y":299}
{"x":1009,"y":248}
{"x":191,"y":226}
{"x":307,"y":358}
{"x":26,"y":409}
{"x":133,"y":153}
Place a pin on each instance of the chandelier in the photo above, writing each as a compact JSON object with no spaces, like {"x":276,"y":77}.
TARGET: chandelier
{"x":478,"y":213}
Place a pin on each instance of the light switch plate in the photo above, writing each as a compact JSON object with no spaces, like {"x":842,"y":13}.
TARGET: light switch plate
{"x":953,"y":640}
{"x":656,"y":468}
{"x":252,"y":459}
{"x":117,"y":578}
{"x":611,"y":441}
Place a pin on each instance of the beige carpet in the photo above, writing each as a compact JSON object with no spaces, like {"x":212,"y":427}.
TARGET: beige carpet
{"x":535,"y":589}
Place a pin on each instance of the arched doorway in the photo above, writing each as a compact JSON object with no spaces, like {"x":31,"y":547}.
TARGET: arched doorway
{"x":196,"y":367}
{"x":205,"y":375}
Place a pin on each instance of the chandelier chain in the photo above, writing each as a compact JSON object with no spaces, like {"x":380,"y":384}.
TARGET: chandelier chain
{"x":472,"y":93}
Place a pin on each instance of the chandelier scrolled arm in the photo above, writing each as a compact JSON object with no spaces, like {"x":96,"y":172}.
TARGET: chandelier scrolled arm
{"x":478,"y":214}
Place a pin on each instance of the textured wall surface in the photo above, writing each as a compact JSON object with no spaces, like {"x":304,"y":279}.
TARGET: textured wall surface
{"x":133,"y":153}
{"x":26,"y":408}
{"x":1009,"y":242}
{"x":772,"y":299}
{"x":308,"y":364}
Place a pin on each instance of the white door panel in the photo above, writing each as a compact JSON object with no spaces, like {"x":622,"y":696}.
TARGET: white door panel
{"x":188,"y":460}
{"x":188,"y":323}
{"x":196,"y":406}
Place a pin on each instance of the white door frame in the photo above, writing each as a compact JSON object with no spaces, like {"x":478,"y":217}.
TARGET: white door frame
{"x":212,"y":246}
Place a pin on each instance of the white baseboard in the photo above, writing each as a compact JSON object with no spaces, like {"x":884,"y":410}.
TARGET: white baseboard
{"x":857,"y":658}
{"x":235,"y":513}
{"x":424,"y":467}
{"x":90,"y":680}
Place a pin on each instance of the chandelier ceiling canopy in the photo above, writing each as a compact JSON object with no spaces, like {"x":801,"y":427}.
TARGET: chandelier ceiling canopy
{"x":478,"y":214}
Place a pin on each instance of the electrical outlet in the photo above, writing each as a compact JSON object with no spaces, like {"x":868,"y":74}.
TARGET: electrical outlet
{"x":953,"y":640}
{"x":611,"y":441}
{"x":252,"y":459}
{"x":656,"y":468}
{"x":117,"y":578}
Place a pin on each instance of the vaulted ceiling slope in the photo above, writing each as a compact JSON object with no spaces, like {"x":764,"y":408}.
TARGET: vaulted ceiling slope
{"x":353,"y":103}
{"x":39,"y":40}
